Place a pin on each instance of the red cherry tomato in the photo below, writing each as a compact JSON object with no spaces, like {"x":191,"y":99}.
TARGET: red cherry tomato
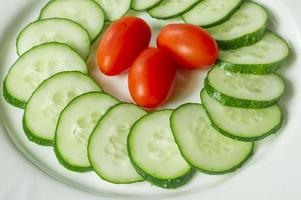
{"x":122,"y":42}
{"x":191,"y":46}
{"x":151,"y":78}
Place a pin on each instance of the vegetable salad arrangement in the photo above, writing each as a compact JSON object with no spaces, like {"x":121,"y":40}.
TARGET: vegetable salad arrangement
{"x":122,"y":142}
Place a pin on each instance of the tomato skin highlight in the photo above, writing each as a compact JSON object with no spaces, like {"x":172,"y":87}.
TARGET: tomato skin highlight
{"x":151,"y":78}
{"x":191,"y":46}
{"x":121,"y":43}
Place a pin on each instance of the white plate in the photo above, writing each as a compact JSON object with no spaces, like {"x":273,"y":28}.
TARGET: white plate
{"x":273,"y":172}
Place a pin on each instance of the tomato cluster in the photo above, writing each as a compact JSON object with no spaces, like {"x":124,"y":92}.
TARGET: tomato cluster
{"x":152,"y":71}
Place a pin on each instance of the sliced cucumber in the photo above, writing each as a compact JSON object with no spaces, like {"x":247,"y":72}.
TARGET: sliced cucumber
{"x":36,"y":65}
{"x":154,"y":153}
{"x":244,"y":90}
{"x":263,"y":57}
{"x":209,"y":13}
{"x":202,"y":146}
{"x":245,"y":27}
{"x":140,"y":5}
{"x":75,"y":125}
{"x":241,"y":123}
{"x":114,"y":9}
{"x":54,"y":30}
{"x":50,"y":98}
{"x":171,"y":8}
{"x":85,"y":12}
{"x":107,"y":148}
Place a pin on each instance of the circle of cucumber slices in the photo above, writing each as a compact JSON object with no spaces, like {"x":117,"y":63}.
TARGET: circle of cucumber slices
{"x":122,"y":143}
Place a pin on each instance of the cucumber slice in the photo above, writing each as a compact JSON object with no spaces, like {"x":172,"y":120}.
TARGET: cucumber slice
{"x":241,"y":123}
{"x":36,"y":65}
{"x":263,"y":57}
{"x":54,"y":30}
{"x":75,"y":125}
{"x":245,"y":27}
{"x":46,"y":103}
{"x":202,"y":146}
{"x":107,"y":148}
{"x":209,"y":13}
{"x":171,"y":8}
{"x":85,"y":12}
{"x":141,"y":5}
{"x":244,"y":90}
{"x":114,"y":9}
{"x":154,"y":153}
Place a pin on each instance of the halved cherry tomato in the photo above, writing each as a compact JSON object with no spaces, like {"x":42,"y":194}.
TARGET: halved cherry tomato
{"x":191,"y":46}
{"x":122,"y":42}
{"x":151,"y":78}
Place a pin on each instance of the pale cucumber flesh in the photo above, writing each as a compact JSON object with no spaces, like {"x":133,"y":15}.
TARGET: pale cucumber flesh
{"x":45,"y":105}
{"x":241,"y":23}
{"x":54,"y":30}
{"x":270,"y":49}
{"x":38,"y":64}
{"x":75,"y":125}
{"x":85,"y":12}
{"x":211,"y":12}
{"x":202,"y":146}
{"x":242,"y":123}
{"x":246,"y":86}
{"x":108,"y":144}
{"x":144,"y":4}
{"x":114,"y":9}
{"x":154,"y":153}
{"x":171,"y":8}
